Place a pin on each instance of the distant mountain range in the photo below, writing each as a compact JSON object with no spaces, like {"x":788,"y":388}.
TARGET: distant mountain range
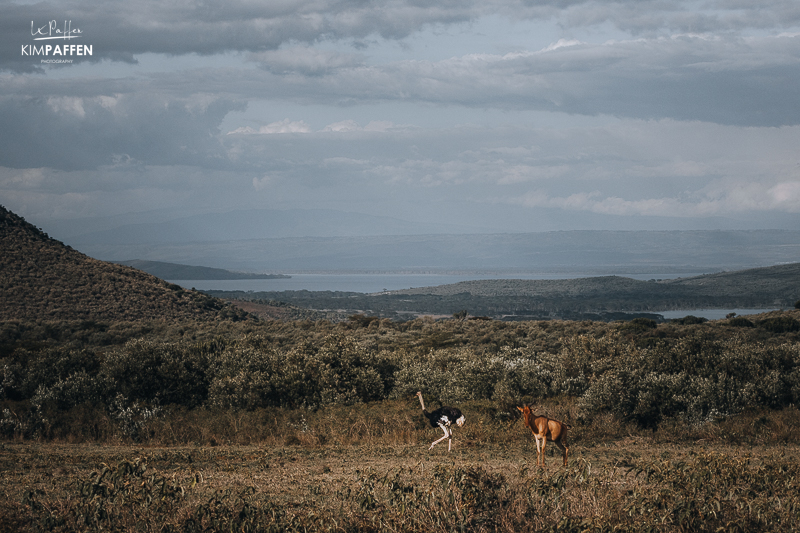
{"x":270,"y":240}
{"x":584,"y":252}
{"x":244,"y":225}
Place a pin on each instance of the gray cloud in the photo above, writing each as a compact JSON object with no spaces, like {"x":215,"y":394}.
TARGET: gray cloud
{"x":695,"y":109}
{"x":701,"y":169}
{"x":215,"y":26}
{"x":206,"y":27}
{"x":71,"y":132}
{"x":305,"y":60}
{"x":472,"y":176}
{"x":725,"y":80}
{"x":84,"y":123}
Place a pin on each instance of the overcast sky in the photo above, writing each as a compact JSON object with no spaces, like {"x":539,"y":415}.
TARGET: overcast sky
{"x":500,"y":115}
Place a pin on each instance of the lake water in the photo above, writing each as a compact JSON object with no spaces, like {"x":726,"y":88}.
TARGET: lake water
{"x":711,"y":314}
{"x":371,"y":283}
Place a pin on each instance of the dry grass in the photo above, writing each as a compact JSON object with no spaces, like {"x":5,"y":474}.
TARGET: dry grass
{"x":628,"y":484}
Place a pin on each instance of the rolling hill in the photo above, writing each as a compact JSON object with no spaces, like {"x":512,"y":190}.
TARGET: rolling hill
{"x":766,"y":286}
{"x":42,"y":279}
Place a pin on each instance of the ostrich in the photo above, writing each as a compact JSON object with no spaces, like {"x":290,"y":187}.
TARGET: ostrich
{"x":443,"y":417}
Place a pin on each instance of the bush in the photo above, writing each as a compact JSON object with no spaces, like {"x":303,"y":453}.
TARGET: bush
{"x":242,"y":376}
{"x":687,"y":374}
{"x":166,"y":373}
{"x":640,"y":324}
{"x":249,"y":374}
{"x":76,"y":389}
{"x":48,"y":367}
{"x":695,"y":380}
{"x":689,"y":319}
{"x":780,"y":324}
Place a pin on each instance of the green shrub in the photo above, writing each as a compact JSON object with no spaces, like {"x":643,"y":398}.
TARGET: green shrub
{"x":639,"y":324}
{"x":780,"y":324}
{"x":249,"y":374}
{"x":741,"y":322}
{"x":688,"y":374}
{"x":167,"y":373}
{"x":76,"y":389}
{"x":524,"y":376}
{"x":47,"y":367}
{"x":695,"y":380}
{"x":689,"y":319}
{"x":243,"y":376}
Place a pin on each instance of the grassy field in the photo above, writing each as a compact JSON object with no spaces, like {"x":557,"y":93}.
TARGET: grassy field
{"x":368,"y":476}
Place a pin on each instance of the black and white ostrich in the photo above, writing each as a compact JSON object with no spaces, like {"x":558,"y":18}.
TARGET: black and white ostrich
{"x":443,"y":417}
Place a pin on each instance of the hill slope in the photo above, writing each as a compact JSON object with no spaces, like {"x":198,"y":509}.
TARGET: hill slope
{"x":188,"y":272}
{"x":44,"y":279}
{"x":775,"y":285}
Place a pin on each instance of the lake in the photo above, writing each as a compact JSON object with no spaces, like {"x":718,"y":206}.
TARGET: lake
{"x":711,"y":314}
{"x":371,"y":283}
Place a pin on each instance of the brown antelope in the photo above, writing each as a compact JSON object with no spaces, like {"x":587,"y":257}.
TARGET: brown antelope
{"x":546,"y":429}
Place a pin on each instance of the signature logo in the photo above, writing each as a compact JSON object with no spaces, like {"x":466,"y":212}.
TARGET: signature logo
{"x":50,"y":31}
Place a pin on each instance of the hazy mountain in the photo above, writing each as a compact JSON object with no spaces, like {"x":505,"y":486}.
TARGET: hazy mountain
{"x":245,"y":225}
{"x":259,"y":240}
{"x":618,"y":252}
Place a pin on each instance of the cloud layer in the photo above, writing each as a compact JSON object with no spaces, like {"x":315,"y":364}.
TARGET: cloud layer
{"x":479,"y":113}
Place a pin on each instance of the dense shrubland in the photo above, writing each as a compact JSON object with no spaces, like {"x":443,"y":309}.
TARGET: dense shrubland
{"x":313,"y":425}
{"x":130,"y":376}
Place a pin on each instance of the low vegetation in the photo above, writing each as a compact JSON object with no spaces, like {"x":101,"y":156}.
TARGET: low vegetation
{"x":314,"y":425}
{"x":637,"y":371}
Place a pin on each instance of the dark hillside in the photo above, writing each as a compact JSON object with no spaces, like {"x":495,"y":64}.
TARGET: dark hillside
{"x":775,"y":285}
{"x":44,"y":279}
{"x":780,"y":284}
